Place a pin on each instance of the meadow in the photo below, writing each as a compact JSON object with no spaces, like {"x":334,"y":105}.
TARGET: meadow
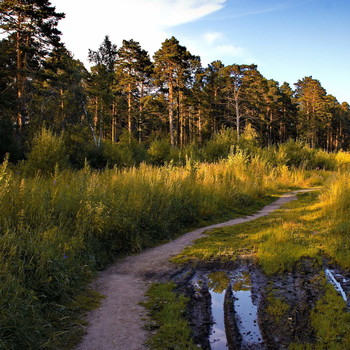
{"x":61,"y":226}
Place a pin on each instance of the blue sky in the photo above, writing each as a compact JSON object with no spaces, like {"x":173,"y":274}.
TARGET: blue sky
{"x":287,"y":39}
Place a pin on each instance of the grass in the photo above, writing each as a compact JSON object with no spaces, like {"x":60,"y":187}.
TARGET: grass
{"x":167,"y":310}
{"x":331,"y":322}
{"x":276,"y":307}
{"x":314,"y":226}
{"x":56,"y":231}
{"x":308,"y":227}
{"x":275,"y":241}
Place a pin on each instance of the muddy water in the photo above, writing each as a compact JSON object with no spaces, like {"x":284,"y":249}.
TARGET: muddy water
{"x":246,"y":311}
{"x":238,"y":307}
{"x":217,"y":283}
{"x":333,"y":277}
{"x":235,"y":286}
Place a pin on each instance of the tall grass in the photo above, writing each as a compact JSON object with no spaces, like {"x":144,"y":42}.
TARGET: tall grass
{"x":335,"y":200}
{"x":55,"y":230}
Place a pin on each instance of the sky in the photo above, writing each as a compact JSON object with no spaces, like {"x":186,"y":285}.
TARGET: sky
{"x":287,"y":39}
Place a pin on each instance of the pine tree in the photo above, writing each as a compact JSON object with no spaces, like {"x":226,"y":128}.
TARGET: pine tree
{"x":31,"y":26}
{"x":288,"y":122}
{"x":134,"y":69}
{"x":101,"y":89}
{"x":172,"y":69}
{"x":61,"y":98}
{"x":237,"y":79}
{"x":310,"y":96}
{"x":214,"y":96}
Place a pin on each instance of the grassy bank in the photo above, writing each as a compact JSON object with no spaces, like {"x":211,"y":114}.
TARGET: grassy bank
{"x":315,"y":226}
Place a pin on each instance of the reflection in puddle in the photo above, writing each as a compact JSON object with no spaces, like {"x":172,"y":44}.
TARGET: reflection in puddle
{"x":246,"y":311}
{"x":331,"y":278}
{"x":217,"y":283}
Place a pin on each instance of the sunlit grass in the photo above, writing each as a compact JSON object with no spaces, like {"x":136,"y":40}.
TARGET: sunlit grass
{"x":57,"y":230}
{"x":276,"y":242}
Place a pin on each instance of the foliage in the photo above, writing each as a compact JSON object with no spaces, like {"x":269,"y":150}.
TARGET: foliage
{"x":220,"y":145}
{"x":47,"y":154}
{"x":159,"y":152}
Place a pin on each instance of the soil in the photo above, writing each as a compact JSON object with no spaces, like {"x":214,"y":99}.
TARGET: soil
{"x":118,"y":322}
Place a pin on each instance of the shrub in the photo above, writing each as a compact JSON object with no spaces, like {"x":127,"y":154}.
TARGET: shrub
{"x":47,"y":152}
{"x":159,"y":152}
{"x":220,"y":145}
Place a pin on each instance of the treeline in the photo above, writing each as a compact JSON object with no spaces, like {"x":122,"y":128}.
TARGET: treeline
{"x":126,"y":92}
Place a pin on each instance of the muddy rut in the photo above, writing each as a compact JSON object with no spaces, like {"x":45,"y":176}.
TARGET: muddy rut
{"x":118,"y":323}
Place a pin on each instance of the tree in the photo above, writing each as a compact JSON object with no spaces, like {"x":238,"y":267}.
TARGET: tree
{"x":31,"y":26}
{"x":134,"y":69}
{"x":101,"y":85}
{"x":236,"y":82}
{"x":287,"y":125}
{"x":214,"y":95}
{"x":172,"y":69}
{"x":60,"y":100}
{"x":310,"y":97}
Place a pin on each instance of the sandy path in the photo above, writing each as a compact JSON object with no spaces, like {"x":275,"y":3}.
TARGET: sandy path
{"x":118,"y":323}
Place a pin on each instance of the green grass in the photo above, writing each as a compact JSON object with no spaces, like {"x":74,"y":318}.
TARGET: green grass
{"x":276,"y":241}
{"x":300,"y":229}
{"x":331,"y":322}
{"x":56,"y":231}
{"x":167,"y":311}
{"x":313,"y":226}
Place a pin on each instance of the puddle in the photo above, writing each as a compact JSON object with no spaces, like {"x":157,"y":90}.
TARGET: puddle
{"x":232,"y":305}
{"x":217,"y":284}
{"x":246,"y":311}
{"x":237,"y":307}
{"x":331,"y":277}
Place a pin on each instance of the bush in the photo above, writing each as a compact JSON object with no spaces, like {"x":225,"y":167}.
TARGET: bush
{"x":159,"y":152}
{"x":220,"y":145}
{"x":48,"y":152}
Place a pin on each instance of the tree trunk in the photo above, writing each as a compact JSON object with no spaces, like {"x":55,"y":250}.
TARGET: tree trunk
{"x":237,"y":115}
{"x":129,"y":112}
{"x":171,"y":113}
{"x":200,"y":127}
{"x":20,"y":82}
{"x":95,"y":119}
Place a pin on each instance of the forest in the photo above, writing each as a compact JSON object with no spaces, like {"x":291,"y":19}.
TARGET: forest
{"x":103,"y":162}
{"x":127,"y":96}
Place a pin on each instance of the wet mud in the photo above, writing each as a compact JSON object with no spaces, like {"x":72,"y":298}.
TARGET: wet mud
{"x":235,"y":306}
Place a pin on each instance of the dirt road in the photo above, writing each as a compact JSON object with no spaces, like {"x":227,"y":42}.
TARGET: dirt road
{"x":117,"y":324}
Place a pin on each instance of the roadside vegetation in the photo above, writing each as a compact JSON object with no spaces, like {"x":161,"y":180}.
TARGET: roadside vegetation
{"x":59,"y":225}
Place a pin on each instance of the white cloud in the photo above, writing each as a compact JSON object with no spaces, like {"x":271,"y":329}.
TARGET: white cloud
{"x":212,"y":37}
{"x":146,"y":21}
{"x":217,"y":46}
{"x":230,"y":49}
